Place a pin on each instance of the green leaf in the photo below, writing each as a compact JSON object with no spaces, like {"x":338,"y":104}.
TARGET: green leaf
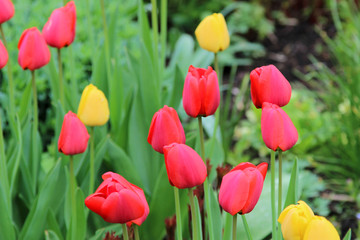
{"x":100,"y":233}
{"x":51,"y":235}
{"x":198,"y":217}
{"x":348,"y":235}
{"x":216,"y":214}
{"x":53,"y":228}
{"x":227,"y":226}
{"x":176,"y":88}
{"x":292,"y":193}
{"x":78,"y":222}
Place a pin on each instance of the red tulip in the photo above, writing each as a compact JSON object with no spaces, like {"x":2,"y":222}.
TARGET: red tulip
{"x":184,"y":166}
{"x":7,"y":10}
{"x":59,"y":30}
{"x":241,"y":188}
{"x":269,"y":85}
{"x":277,"y":129}
{"x":74,"y":136}
{"x":201,"y":95}
{"x":4,"y":56}
{"x":165,"y":128}
{"x":117,"y":201}
{"x":33,"y":50}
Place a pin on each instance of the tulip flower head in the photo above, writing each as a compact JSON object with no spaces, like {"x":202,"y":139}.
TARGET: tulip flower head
{"x":74,"y":136}
{"x":7,"y":10}
{"x":118,"y":201}
{"x":184,"y":166}
{"x":33,"y":50}
{"x":299,"y":222}
{"x":59,"y":30}
{"x":201,"y":94}
{"x":277,"y":129}
{"x":241,"y":188}
{"x":94,"y":107}
{"x":4,"y":56}
{"x":165,"y":128}
{"x":269,"y":85}
{"x":212,"y":33}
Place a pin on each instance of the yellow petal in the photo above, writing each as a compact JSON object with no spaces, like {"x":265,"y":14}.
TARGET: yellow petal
{"x":93,"y":108}
{"x":320,"y":228}
{"x":212,"y":33}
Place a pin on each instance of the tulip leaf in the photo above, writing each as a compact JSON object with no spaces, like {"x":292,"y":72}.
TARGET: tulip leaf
{"x":51,"y":235}
{"x":53,"y":78}
{"x":183,"y":52}
{"x":53,"y":226}
{"x":113,"y":228}
{"x":177,"y":88}
{"x":215,"y":213}
{"x":292,"y":193}
{"x":25,"y":104}
{"x":227,"y":226}
{"x":78,"y":222}
{"x":198,"y":218}
{"x":348,"y":235}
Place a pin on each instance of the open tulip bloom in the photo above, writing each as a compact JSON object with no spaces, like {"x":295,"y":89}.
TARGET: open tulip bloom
{"x":269,"y":85}
{"x":118,"y":201}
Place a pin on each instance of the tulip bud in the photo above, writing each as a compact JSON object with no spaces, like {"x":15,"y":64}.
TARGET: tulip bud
{"x":118,"y":201}
{"x":4,"y":56}
{"x":277,"y":129}
{"x":93,"y":108}
{"x":73,"y":137}
{"x":269,"y":85}
{"x":59,"y":30}
{"x":320,"y":228}
{"x":212,"y":33}
{"x":294,"y":219}
{"x":165,"y":128}
{"x":7,"y":10}
{"x":33,"y":50}
{"x":241,"y":188}
{"x":201,"y":95}
{"x":184,"y":166}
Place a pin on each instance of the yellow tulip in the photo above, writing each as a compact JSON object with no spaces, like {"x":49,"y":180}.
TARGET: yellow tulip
{"x":320,"y":228}
{"x":294,"y":220}
{"x":93,"y":108}
{"x":212,"y":33}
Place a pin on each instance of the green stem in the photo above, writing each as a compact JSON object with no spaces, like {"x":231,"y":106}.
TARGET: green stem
{"x":163,"y":25}
{"x":92,"y":160}
{"x":273,"y":207}
{"x":107,"y":51}
{"x":280,"y":189}
{"x":35,"y":159}
{"x":193,"y":216}
{"x":178,"y":214}
{"x":234,"y":227}
{"x":136,"y":229}
{"x":125,"y":232}
{"x":206,"y":183}
{"x":247,"y":229}
{"x":72,"y":187}
{"x":61,"y":80}
{"x":10,"y":77}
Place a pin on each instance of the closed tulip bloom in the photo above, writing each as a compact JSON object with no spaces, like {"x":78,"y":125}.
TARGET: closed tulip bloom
{"x":165,"y":128}
{"x":116,"y":200}
{"x":59,"y":30}
{"x":74,"y":136}
{"x":4,"y":56}
{"x":320,"y":228}
{"x":269,"y":85}
{"x":294,"y":220}
{"x":277,"y":129}
{"x":241,"y":188}
{"x":201,"y":95}
{"x":212,"y":33}
{"x":7,"y":10}
{"x":141,"y":219}
{"x":33,"y":50}
{"x":184,"y":166}
{"x":94,"y":107}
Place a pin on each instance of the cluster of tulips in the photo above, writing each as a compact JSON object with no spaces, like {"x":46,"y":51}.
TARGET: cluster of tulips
{"x":118,"y":201}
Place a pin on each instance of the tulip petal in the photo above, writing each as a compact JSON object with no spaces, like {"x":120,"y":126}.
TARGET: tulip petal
{"x":141,"y":219}
{"x":262,"y":167}
{"x":94,"y":202}
{"x":212,"y":98}
{"x":191,"y":95}
{"x":320,"y":228}
{"x":256,"y":182}
{"x":234,"y":191}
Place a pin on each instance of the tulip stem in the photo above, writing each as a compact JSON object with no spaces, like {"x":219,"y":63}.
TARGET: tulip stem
{"x":136,"y":230}
{"x":206,"y":183}
{"x":35,"y":159}
{"x":92,"y":137}
{"x":61,"y":81}
{"x":234,"y":227}
{"x":10,"y":76}
{"x":193,"y":215}
{"x":72,"y":188}
{"x":125,"y":232}
{"x":178,"y":214}
{"x":247,"y":229}
{"x":273,"y":207}
{"x":280,"y":189}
